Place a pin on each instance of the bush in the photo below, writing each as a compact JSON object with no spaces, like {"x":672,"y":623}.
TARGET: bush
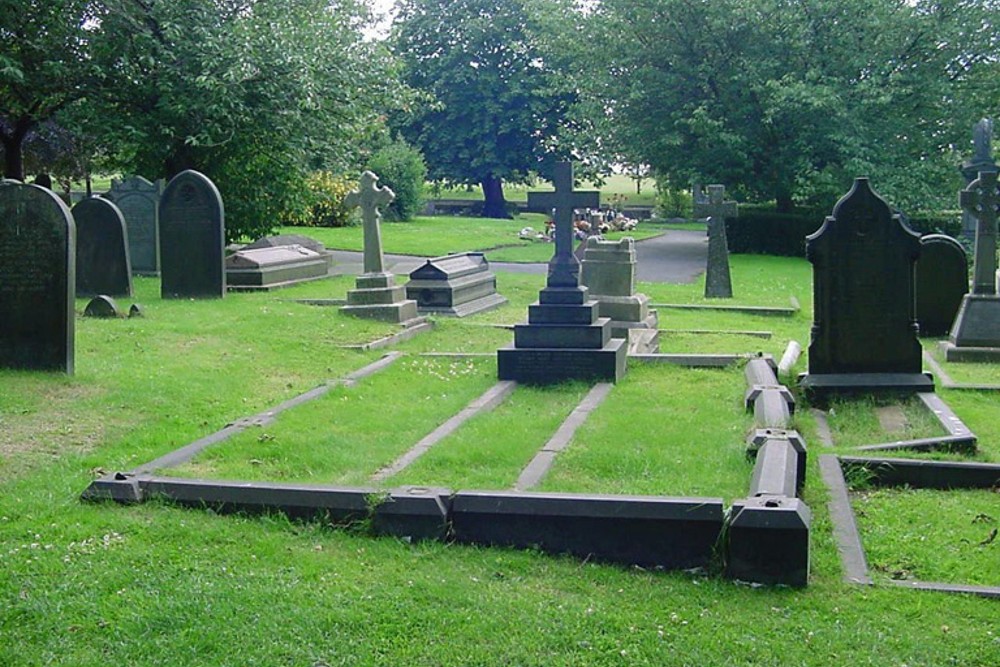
{"x":322,"y":203}
{"x":930,"y":222}
{"x":401,"y":167}
{"x":671,"y":201}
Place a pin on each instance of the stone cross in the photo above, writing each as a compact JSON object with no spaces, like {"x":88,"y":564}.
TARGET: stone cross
{"x":564,"y":268}
{"x":369,"y":197}
{"x":715,"y":206}
{"x":982,"y":201}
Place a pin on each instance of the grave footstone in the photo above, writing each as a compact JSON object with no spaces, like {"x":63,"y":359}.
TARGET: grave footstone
{"x":139,"y":201}
{"x":864,"y":332}
{"x":192,"y":238}
{"x":376,"y":295}
{"x":718,"y":283}
{"x":456,"y":285}
{"x":942,"y":281}
{"x":608,"y":272}
{"x":975,"y":335}
{"x":564,"y":338}
{"x":102,"y":249}
{"x":261,"y":269}
{"x":37,"y":279}
{"x":103,"y":307}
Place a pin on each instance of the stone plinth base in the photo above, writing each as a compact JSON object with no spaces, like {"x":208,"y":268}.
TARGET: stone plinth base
{"x":986,"y":355}
{"x":463,"y":309}
{"x":819,"y":386}
{"x":552,"y":365}
{"x":378,"y":298}
{"x":977,"y":325}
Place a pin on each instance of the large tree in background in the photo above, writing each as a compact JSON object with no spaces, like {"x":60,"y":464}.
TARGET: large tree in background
{"x":786,"y":100}
{"x":497,"y":105}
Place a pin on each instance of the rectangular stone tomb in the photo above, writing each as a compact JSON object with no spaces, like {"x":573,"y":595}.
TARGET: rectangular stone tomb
{"x":271,"y":268}
{"x":650,"y":531}
{"x":292,"y":239}
{"x":457,"y":285}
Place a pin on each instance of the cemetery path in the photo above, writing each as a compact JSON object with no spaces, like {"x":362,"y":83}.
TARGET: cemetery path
{"x":677,"y":256}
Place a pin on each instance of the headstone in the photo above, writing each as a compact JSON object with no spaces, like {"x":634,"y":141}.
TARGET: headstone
{"x":139,"y":201}
{"x":102,"y":259}
{"x":975,"y":335}
{"x":609,"y":275}
{"x":718,"y":283}
{"x":103,"y":306}
{"x":37,"y":279}
{"x":376,"y":295}
{"x":264,"y":269}
{"x":981,"y":160}
{"x":565,"y":338}
{"x":457,"y":285}
{"x":292,"y":239}
{"x":864,"y":332}
{"x":192,"y":238}
{"x":942,"y":280}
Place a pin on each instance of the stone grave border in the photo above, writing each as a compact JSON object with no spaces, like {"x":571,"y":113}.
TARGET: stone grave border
{"x":914,"y":473}
{"x":648,"y":531}
{"x":946,"y":380}
{"x":774,"y":311}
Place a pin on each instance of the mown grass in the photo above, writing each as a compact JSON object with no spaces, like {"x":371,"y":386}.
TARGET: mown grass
{"x":619,"y":187}
{"x":97,"y":584}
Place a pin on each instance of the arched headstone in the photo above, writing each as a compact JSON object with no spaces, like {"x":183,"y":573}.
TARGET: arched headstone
{"x":942,"y":281}
{"x":139,"y":201}
{"x":192,"y":238}
{"x":102,"y":259}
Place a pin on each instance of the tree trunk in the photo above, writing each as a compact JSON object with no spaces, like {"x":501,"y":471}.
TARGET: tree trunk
{"x":13,"y":150}
{"x":494,"y":204}
{"x":783,"y":201}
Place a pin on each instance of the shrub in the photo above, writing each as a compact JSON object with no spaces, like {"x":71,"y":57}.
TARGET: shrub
{"x":322,"y":202}
{"x":671,"y":201}
{"x":401,"y":167}
{"x":930,"y":222}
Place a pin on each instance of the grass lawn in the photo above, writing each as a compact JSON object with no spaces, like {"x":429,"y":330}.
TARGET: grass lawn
{"x":617,"y":186}
{"x":154,"y":584}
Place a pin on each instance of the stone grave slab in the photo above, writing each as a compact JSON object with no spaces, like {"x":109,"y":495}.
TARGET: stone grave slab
{"x":456,"y":285}
{"x":864,"y":332}
{"x":608,"y":272}
{"x":376,"y":295}
{"x":37,"y":279}
{"x":263,"y":269}
{"x":139,"y":201}
{"x":942,"y":280}
{"x":102,"y":249}
{"x":650,"y":531}
{"x":564,"y":338}
{"x":192,"y":238}
{"x":292,"y":239}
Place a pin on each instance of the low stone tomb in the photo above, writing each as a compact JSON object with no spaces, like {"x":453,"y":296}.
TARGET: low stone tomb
{"x":139,"y":201}
{"x":864,"y":333}
{"x":37,"y":279}
{"x":192,"y":238}
{"x":608,"y":272}
{"x":262,"y":269}
{"x":292,"y":239}
{"x":102,"y":256}
{"x":942,"y":281}
{"x":457,"y":285}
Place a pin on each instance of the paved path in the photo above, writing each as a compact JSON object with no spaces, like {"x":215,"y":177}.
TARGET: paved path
{"x":676,"y":256}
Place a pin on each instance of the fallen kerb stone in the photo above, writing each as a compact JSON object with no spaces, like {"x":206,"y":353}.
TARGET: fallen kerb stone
{"x":772,"y":405}
{"x":539,"y":466}
{"x":760,"y":371}
{"x":491,"y":398}
{"x":921,"y":474}
{"x":759,"y":437}
{"x":693,"y":360}
{"x":775,"y":472}
{"x":752,"y":310}
{"x":845,"y":528}
{"x":649,"y":531}
{"x":949,"y":443}
{"x":789,"y":358}
{"x":767,"y":541}
{"x":189,"y":451}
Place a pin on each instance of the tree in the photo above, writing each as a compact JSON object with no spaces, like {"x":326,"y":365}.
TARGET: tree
{"x":497,"y":103}
{"x":788,"y":100}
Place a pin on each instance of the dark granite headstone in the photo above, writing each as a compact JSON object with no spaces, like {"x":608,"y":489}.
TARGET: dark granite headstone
{"x":103,"y":307}
{"x":139,"y":201}
{"x":102,"y":260}
{"x":192,"y":238}
{"x":864,"y":332}
{"x":942,"y":281}
{"x":456,"y":285}
{"x":37,"y":279}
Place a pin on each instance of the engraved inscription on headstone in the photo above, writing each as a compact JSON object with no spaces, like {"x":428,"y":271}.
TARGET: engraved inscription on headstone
{"x":102,"y":261}
{"x":192,"y":238}
{"x":139,"y":201}
{"x":37,"y":279}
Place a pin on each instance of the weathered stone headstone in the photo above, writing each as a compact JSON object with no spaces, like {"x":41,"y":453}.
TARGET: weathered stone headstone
{"x":192,"y":238}
{"x":981,"y":160}
{"x":102,"y":259}
{"x":718,"y":283}
{"x":456,"y":285}
{"x":864,"y":332}
{"x":139,"y":201}
{"x":564,"y":338}
{"x":942,"y":280}
{"x":975,"y":335}
{"x":271,"y":268}
{"x":104,"y":307}
{"x":609,"y":275}
{"x":37,"y":279}
{"x":376,"y":295}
